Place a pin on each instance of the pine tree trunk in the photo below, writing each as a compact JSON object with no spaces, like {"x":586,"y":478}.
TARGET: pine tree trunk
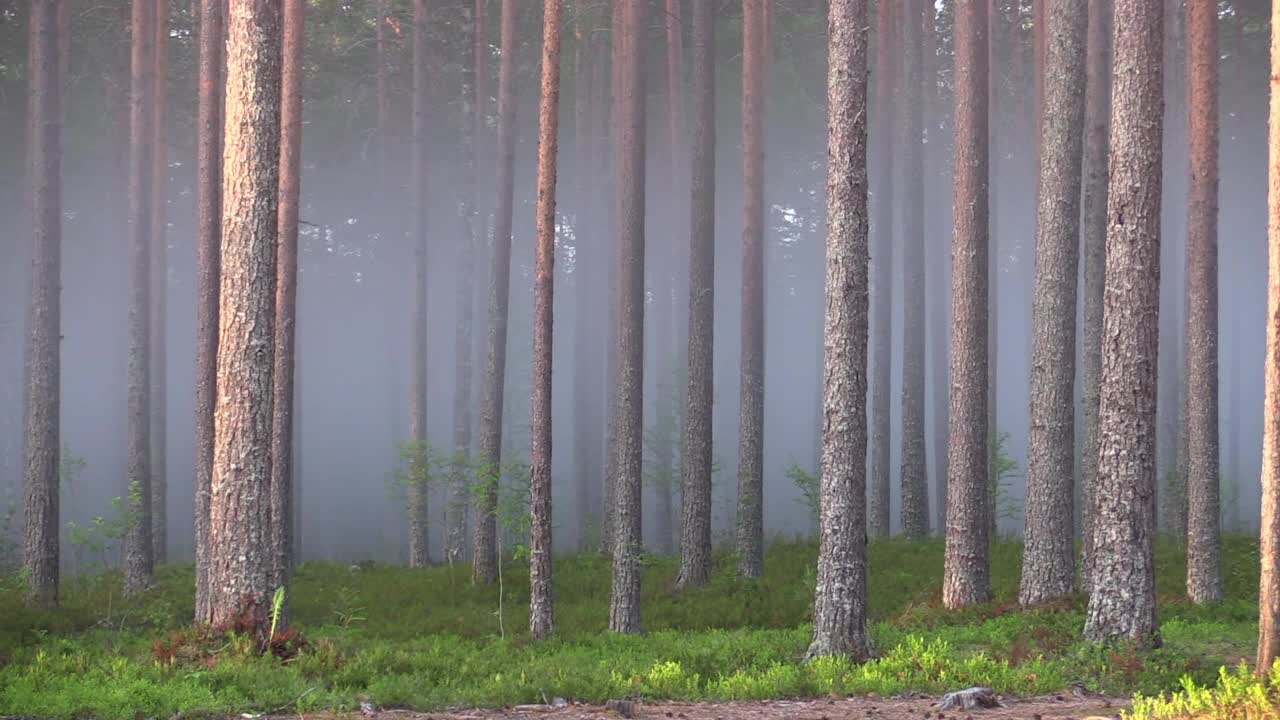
{"x":695,"y":531}
{"x":1048,"y":561}
{"x":1269,"y":550}
{"x":1094,"y":230}
{"x":541,"y":594}
{"x":1123,"y":601}
{"x":938,"y":259}
{"x":208,"y":263}
{"x":840,"y":601}
{"x":159,"y":290}
{"x":882,"y":267}
{"x":1204,"y":553}
{"x":139,"y":563}
{"x":484,"y":550}
{"x":998,"y":36}
{"x":967,"y":578}
{"x":44,"y":322}
{"x":624,"y":601}
{"x":915,"y":487}
{"x":283,"y":474}
{"x":419,"y":517}
{"x":241,"y":561}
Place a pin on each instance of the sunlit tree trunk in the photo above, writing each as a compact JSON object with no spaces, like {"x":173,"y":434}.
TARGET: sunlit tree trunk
{"x":1123,"y":603}
{"x":159,"y":290}
{"x":1204,"y":552}
{"x":541,"y":594}
{"x":967,"y":571}
{"x":629,"y":123}
{"x":882,"y":269}
{"x":419,"y":555}
{"x":139,"y":563}
{"x":1093,"y":244}
{"x":1048,"y":561}
{"x":840,"y":601}
{"x":484,"y":551}
{"x":1269,"y":582}
{"x":241,"y":561}
{"x":44,"y":322}
{"x":695,"y":532}
{"x":208,"y":262}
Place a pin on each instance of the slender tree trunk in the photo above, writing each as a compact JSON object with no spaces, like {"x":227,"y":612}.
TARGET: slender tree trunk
{"x":159,"y":291}
{"x":419,"y":516}
{"x":613,"y":324}
{"x":751,"y":415}
{"x":484,"y":550}
{"x":381,"y":79}
{"x":695,"y":533}
{"x":1204,"y":531}
{"x":208,"y":263}
{"x":915,"y":487}
{"x":624,"y":601}
{"x":240,"y":557}
{"x":1269,"y":582}
{"x":998,"y":37}
{"x":44,"y":322}
{"x":967,"y":578}
{"x":840,"y":601}
{"x":1123,"y":601}
{"x":1048,"y":561}
{"x":139,"y":563}
{"x":283,"y":475}
{"x":939,"y":289}
{"x":1094,"y":230}
{"x":882,"y":267}
{"x":541,"y":594}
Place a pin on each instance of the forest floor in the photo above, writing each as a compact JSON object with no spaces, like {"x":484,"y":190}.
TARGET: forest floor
{"x":389,"y":637}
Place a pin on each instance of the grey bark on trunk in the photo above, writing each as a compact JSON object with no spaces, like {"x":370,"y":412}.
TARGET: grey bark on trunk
{"x":159,"y":290}
{"x":418,"y":492}
{"x":1123,"y":603}
{"x":882,"y":269}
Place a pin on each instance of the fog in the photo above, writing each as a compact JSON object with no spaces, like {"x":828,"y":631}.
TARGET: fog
{"x":356,"y":274}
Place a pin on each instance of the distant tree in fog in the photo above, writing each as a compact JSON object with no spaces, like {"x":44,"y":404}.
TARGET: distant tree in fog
{"x":159,"y":287}
{"x":418,"y":455}
{"x":882,"y":267}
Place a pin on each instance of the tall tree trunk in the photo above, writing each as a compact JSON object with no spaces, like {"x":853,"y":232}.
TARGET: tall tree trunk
{"x":159,"y":291}
{"x":998,"y":36}
{"x":840,"y":601}
{"x":915,"y":485}
{"x":381,"y":80}
{"x":208,"y":263}
{"x":695,"y":531}
{"x":241,"y":561}
{"x":139,"y":563}
{"x":584,"y":106}
{"x":1123,"y":601}
{"x":283,"y":475}
{"x":1204,"y":552}
{"x":613,"y":324}
{"x":44,"y":322}
{"x":1269,"y":550}
{"x":624,"y":601}
{"x":967,"y":578}
{"x":1094,"y":229}
{"x":419,"y":551}
{"x":882,"y":267}
{"x":541,"y":594}
{"x":938,"y":258}
{"x":1048,"y":562}
{"x":484,"y":551}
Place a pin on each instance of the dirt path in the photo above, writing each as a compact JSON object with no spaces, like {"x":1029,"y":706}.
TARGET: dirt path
{"x":1060,"y":707}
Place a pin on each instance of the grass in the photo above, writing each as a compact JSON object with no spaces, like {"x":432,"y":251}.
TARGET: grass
{"x":428,"y":639}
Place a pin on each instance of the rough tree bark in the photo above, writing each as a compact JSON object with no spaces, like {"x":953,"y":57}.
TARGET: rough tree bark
{"x":695,"y":533}
{"x":159,"y":289}
{"x":915,"y":483}
{"x":541,"y":593}
{"x":484,"y":544}
{"x":967,"y":571}
{"x":1269,"y":582}
{"x":751,"y":415}
{"x":139,"y":563}
{"x":1048,"y":561}
{"x":283,"y":476}
{"x":44,"y":321}
{"x":882,"y":269}
{"x":624,"y":601}
{"x":239,"y":517}
{"x":1123,"y":601}
{"x":208,"y":263}
{"x":840,"y":601}
{"x":418,"y":493}
{"x":1204,"y":551}
{"x":1097,"y":144}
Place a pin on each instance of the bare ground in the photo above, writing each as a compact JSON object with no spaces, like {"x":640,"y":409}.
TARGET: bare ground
{"x":1059,"y":707}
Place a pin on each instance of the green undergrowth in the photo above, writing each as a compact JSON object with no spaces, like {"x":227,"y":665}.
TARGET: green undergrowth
{"x":429,"y":639}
